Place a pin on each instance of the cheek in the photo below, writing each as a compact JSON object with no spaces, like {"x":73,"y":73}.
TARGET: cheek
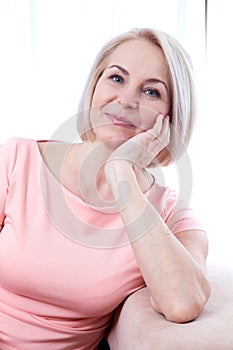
{"x":101,"y":94}
{"x":149,"y":112}
{"x":147,"y":117}
{"x":97,"y":101}
{"x":97,"y":94}
{"x":95,"y":98}
{"x":94,"y":116}
{"x":104,"y":93}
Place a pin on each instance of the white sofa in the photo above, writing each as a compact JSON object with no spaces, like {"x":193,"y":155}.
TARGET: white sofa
{"x":138,"y":326}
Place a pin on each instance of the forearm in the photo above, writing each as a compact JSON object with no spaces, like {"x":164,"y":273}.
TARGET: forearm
{"x":174,"y":278}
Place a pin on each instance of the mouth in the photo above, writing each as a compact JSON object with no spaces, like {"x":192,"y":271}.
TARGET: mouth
{"x":120,"y":121}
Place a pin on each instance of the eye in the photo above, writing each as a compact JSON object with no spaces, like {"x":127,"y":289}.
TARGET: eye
{"x":117,"y":79}
{"x":152,"y":92}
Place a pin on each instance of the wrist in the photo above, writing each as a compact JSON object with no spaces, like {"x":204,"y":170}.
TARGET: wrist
{"x":117,"y":171}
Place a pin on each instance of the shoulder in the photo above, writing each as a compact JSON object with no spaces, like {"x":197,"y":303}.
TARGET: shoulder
{"x":167,"y":196}
{"x":15,"y":144}
{"x":162,"y":194}
{"x":15,"y":156}
{"x":22,"y":150}
{"x":175,"y":209}
{"x":13,"y":147}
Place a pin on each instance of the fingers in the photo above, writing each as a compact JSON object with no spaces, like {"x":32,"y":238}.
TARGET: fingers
{"x":160,"y":134}
{"x":156,"y":130}
{"x":161,"y":127}
{"x":165,"y":131}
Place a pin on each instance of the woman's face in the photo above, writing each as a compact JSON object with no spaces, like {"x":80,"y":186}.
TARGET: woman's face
{"x":132,"y":91}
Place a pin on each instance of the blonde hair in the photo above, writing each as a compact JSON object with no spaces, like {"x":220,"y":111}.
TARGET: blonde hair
{"x":183,"y":98}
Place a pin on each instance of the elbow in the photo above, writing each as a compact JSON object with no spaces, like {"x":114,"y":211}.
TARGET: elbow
{"x":183,"y":310}
{"x":186,"y":311}
{"x":179,"y":313}
{"x":182,"y":314}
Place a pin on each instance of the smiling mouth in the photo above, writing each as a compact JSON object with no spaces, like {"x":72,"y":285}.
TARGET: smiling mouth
{"x":119,"y":121}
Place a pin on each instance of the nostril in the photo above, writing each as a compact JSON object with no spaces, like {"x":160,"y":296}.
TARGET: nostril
{"x":129,"y":104}
{"x":128,"y":100}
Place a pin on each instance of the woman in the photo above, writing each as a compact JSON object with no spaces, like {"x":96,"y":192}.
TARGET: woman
{"x":85,"y":224}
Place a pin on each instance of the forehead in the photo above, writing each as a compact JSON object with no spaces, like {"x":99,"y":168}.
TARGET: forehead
{"x":142,"y":56}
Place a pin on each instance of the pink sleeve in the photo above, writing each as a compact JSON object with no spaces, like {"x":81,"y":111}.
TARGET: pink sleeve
{"x":178,"y":216}
{"x":8,"y":155}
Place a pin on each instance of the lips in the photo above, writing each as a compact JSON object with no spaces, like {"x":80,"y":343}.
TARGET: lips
{"x":119,"y":121}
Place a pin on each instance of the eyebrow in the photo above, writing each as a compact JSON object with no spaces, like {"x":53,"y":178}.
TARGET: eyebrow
{"x":152,"y":80}
{"x":124,"y":71}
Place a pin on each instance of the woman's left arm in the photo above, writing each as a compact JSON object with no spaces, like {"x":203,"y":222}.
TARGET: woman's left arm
{"x":173,"y":267}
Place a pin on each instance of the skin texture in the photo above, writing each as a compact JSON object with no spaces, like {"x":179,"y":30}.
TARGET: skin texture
{"x":126,"y":90}
{"x":130,"y":120}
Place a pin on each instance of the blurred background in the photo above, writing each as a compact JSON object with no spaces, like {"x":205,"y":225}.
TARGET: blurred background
{"x":48,"y":46}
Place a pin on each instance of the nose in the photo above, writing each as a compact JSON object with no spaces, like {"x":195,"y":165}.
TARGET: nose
{"x":128,"y":98}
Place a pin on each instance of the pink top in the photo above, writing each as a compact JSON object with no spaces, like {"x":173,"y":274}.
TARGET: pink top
{"x":64,"y":266}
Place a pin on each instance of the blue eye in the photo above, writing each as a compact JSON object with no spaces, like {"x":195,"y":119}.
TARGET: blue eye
{"x":117,"y":78}
{"x":152,"y":92}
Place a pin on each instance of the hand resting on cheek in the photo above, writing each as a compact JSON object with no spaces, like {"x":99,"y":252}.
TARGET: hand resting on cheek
{"x":143,"y":148}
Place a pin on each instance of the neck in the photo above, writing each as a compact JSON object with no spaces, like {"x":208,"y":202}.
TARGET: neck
{"x":89,"y":160}
{"x":92,"y":183}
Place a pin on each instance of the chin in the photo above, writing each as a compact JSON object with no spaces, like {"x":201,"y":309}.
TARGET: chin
{"x":111,"y":142}
{"x":112,"y":136}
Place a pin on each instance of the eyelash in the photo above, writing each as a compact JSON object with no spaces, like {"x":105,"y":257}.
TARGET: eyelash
{"x":156,"y":92}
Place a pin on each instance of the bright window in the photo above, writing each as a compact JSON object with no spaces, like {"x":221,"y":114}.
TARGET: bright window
{"x":48,"y":46}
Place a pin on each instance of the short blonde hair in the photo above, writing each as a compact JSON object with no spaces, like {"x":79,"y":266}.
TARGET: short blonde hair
{"x":183,"y":97}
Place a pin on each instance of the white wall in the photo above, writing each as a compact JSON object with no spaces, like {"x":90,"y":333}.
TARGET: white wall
{"x":215,"y":135}
{"x":47,"y":47}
